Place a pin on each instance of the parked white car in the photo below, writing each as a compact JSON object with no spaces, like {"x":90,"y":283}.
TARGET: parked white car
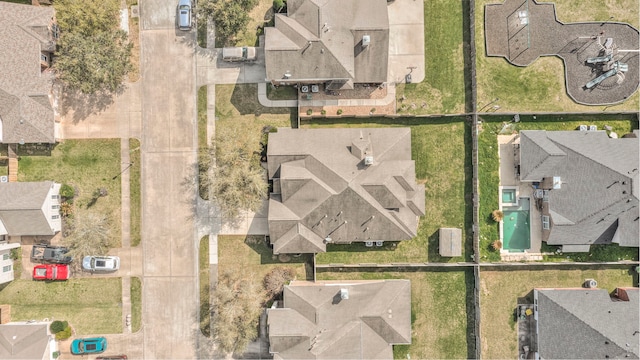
{"x":101,"y":263}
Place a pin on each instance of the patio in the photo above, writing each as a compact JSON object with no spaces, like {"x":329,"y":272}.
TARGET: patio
{"x":509,"y":154}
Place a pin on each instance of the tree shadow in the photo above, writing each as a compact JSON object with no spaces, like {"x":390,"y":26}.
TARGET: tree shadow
{"x":82,"y":105}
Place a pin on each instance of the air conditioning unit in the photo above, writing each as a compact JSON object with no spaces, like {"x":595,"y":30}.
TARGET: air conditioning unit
{"x":4,"y":178}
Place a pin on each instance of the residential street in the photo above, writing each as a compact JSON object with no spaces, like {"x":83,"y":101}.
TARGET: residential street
{"x":170,"y":284}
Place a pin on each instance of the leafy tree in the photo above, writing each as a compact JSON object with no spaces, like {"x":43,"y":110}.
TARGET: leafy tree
{"x":89,"y":234}
{"x":230,"y":16}
{"x":58,"y":326}
{"x":92,"y":64}
{"x":236,"y":179}
{"x":279,"y":5}
{"x":93,"y":53}
{"x":238,"y":306}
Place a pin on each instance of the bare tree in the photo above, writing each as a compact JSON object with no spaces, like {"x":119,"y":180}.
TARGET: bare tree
{"x":238,"y":305}
{"x":232,"y":171}
{"x":275,"y":280}
{"x":89,"y":234}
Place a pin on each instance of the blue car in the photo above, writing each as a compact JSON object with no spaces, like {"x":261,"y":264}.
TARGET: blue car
{"x":89,"y":346}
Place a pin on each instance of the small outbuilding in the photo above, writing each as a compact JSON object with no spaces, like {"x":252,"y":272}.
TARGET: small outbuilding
{"x":450,"y":242}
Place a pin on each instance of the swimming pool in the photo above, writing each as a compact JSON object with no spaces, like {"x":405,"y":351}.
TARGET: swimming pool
{"x":516,"y":231}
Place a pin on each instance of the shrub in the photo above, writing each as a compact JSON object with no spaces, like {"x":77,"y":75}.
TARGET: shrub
{"x":66,"y":191}
{"x":58,"y":326}
{"x":64,"y":334}
{"x":497,"y":215}
{"x":339,"y":112}
{"x":66,"y":209}
{"x":278,"y":5}
{"x":372,"y":110}
{"x":323,"y":112}
{"x":496,"y":245}
{"x":309,"y":112}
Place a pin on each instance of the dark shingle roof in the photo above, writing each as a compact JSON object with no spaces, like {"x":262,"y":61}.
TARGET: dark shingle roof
{"x":25,"y":108}
{"x":321,"y":40}
{"x":322,"y":188}
{"x":587,"y":324}
{"x":316,"y":323}
{"x":598,"y":198}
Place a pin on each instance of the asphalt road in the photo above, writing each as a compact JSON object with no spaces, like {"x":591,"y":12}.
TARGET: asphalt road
{"x":170,"y":283}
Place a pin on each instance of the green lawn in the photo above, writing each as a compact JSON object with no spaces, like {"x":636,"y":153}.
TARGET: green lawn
{"x":91,"y":306}
{"x":205,"y":293}
{"x":541,"y":85}
{"x":282,"y":93}
{"x":489,"y":164}
{"x":260,"y":15}
{"x":252,"y":257}
{"x":135,"y":205}
{"x":443,"y":87}
{"x":136,"y":304}
{"x":87,"y":165}
{"x":441,"y":312}
{"x":440,"y":148}
{"x":499,"y":295}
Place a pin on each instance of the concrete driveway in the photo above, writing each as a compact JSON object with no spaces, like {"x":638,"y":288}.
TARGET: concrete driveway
{"x":170,"y":309}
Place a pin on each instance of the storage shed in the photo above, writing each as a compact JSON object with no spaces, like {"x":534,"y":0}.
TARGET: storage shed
{"x":450,"y":242}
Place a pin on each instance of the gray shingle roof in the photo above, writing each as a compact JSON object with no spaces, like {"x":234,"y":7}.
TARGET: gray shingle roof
{"x":316,"y":323}
{"x":321,"y":40}
{"x":597,"y":202}
{"x":25,"y":108}
{"x":322,"y":188}
{"x":587,"y":324}
{"x":21,"y":208}
{"x":20,"y":341}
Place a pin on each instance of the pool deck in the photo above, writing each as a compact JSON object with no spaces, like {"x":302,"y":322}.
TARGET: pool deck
{"x":508,"y":164}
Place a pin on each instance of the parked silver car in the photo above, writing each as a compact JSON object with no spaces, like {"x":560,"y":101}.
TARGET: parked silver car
{"x":244,"y":53}
{"x":184,"y":15}
{"x":101,"y":263}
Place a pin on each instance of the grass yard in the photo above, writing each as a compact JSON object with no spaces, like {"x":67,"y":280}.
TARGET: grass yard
{"x":237,"y":105}
{"x":136,"y":304}
{"x":440,"y":148}
{"x":489,"y":164}
{"x":91,"y":306}
{"x":86,"y":165}
{"x":252,"y":257}
{"x":281,"y":93}
{"x":541,"y":85}
{"x":135,"y":205}
{"x":441,"y":312}
{"x":499,"y":295}
{"x":205,"y":292}
{"x":443,"y":89}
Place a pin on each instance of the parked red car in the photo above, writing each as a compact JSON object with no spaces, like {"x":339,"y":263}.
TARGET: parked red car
{"x":51,"y":272}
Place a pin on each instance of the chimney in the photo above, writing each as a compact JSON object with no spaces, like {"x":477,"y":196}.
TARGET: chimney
{"x":361,"y":147}
{"x":366,"y":40}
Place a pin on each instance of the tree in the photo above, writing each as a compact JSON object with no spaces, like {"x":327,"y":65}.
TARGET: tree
{"x":238,"y":306}
{"x":275,"y":280}
{"x":232,"y":172}
{"x":93,"y":53}
{"x":93,"y":64}
{"x":89,"y":234}
{"x":230,"y":16}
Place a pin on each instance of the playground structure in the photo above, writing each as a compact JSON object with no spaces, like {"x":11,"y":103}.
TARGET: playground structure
{"x":607,"y":64}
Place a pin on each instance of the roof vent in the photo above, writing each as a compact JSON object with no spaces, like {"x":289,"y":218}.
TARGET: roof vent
{"x":366,"y":40}
{"x":368,"y":160}
{"x":287,"y":75}
{"x":344,"y":294}
{"x":557,"y":182}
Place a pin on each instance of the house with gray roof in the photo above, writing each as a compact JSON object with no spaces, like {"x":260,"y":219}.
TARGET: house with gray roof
{"x":27,"y":340}
{"x":29,"y":208}
{"x":341,"y":186}
{"x":336,"y":42}
{"x":587,"y":186}
{"x":27,"y":39}
{"x":341,"y":320}
{"x":586,"y":324}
